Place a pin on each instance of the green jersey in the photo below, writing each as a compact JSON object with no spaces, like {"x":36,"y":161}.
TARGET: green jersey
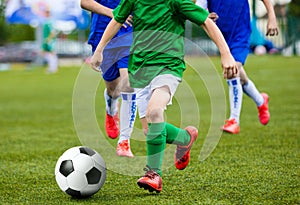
{"x":47,"y":30}
{"x":158,"y":38}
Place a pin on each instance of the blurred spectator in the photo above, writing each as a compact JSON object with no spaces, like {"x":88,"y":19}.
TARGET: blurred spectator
{"x":49,"y":38}
{"x":259,"y":44}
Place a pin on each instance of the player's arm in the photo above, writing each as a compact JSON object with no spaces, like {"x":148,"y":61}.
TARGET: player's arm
{"x":98,"y":8}
{"x":228,"y":63}
{"x":95,"y":7}
{"x":111,"y":30}
{"x":199,"y":16}
{"x":272,"y":28}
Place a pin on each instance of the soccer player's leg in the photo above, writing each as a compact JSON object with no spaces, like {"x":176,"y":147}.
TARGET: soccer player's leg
{"x":155,"y":140}
{"x":156,"y":144}
{"x":127,"y":118}
{"x":112,"y":118}
{"x":142,"y":103}
{"x":184,"y":139}
{"x":53,"y":63}
{"x":239,"y":51}
{"x":261,"y":99}
{"x":235,"y":100}
{"x":128,"y":105}
{"x":111,"y":76}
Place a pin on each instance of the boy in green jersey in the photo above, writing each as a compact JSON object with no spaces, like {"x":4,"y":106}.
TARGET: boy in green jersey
{"x":48,"y":42}
{"x":156,"y":64}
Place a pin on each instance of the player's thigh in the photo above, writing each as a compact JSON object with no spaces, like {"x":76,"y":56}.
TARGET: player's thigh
{"x":122,"y":55}
{"x":142,"y":98}
{"x":163,"y":89}
{"x":157,"y":104}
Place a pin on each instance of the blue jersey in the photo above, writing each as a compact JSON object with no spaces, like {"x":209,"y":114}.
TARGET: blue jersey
{"x":234,"y":23}
{"x":99,"y":23}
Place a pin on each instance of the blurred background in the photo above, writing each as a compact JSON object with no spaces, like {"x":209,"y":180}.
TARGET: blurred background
{"x":21,"y":30}
{"x":286,"y":43}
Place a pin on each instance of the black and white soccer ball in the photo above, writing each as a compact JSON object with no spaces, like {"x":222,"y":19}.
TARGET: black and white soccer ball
{"x":80,"y":172}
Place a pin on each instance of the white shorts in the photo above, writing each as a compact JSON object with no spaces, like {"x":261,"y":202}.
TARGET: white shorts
{"x":144,"y":94}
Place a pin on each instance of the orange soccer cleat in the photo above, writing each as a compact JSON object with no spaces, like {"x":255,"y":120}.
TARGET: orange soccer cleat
{"x":263,"y":110}
{"x":150,"y":181}
{"x":182,"y":154}
{"x":231,"y":126}
{"x":112,"y":126}
{"x":123,"y":149}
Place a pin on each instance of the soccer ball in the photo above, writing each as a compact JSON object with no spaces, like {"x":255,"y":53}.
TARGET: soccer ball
{"x":80,"y":172}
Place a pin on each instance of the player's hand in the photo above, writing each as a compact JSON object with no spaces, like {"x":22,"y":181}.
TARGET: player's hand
{"x":128,"y":22}
{"x":272,"y":28}
{"x":213,"y":16}
{"x":230,"y":68}
{"x":96,"y":60}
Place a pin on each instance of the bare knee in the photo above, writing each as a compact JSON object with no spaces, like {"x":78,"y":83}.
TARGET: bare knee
{"x":243,"y":75}
{"x":124,"y":84}
{"x":155,"y":115}
{"x":113,"y":90}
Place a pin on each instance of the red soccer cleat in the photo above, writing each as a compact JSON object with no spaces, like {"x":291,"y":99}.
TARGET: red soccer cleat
{"x":150,"y":181}
{"x":123,"y":149}
{"x":231,"y":126}
{"x":112,"y":126}
{"x":263,"y":110}
{"x":182,"y":154}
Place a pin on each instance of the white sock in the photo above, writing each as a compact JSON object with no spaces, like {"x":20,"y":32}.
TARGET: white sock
{"x":127,"y":115}
{"x":111,"y":104}
{"x":52,"y":62}
{"x":235,"y":98}
{"x":250,"y":89}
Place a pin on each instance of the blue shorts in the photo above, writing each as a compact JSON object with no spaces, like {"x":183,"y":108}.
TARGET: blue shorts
{"x":240,"y":53}
{"x":234,"y":23}
{"x":113,"y":60}
{"x":238,"y":42}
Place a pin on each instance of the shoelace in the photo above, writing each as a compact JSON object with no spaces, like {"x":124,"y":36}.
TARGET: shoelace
{"x":181,"y":154}
{"x":182,"y":159}
{"x":150,"y":173}
{"x":124,"y":145}
{"x":230,"y":122}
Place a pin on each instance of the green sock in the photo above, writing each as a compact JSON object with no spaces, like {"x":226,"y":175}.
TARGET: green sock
{"x":177,"y":136}
{"x":156,"y":144}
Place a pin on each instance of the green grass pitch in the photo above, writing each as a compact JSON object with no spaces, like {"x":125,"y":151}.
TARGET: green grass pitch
{"x":261,"y":165}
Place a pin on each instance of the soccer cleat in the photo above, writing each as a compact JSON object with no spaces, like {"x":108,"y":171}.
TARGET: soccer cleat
{"x":231,"y":126}
{"x":112,"y":126}
{"x":123,"y":149}
{"x":151,"y":181}
{"x":263,"y":110}
{"x":182,"y":154}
